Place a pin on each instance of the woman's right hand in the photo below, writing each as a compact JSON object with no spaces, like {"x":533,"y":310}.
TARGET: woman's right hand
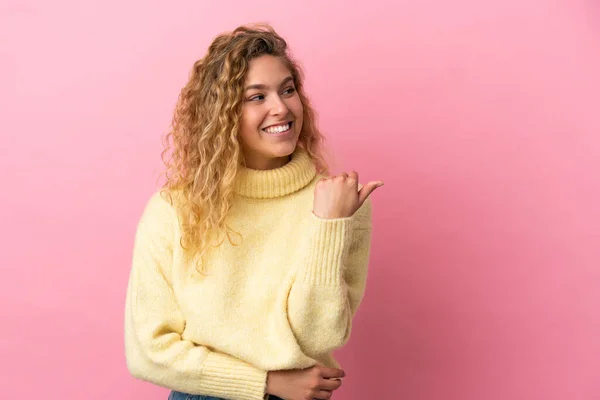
{"x":316,"y":382}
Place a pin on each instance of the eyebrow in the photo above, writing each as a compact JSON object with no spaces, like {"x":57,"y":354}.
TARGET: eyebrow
{"x":263,"y":87}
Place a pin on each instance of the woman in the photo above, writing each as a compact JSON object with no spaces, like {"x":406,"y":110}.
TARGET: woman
{"x":250,"y":263}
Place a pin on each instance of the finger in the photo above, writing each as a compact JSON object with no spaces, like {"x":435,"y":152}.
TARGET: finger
{"x":354,"y":176}
{"x":332,"y":373}
{"x":366,"y":190}
{"x":330,"y":384}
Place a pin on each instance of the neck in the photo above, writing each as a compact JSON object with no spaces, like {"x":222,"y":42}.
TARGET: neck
{"x":292,"y":176}
{"x":267,"y":164}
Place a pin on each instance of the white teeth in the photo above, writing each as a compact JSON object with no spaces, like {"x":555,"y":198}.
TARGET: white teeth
{"x":278,"y":129}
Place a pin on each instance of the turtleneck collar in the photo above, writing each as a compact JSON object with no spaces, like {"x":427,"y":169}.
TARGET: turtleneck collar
{"x":267,"y":184}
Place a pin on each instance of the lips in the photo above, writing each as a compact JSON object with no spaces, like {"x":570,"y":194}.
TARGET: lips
{"x":277,"y":124}
{"x":278,"y":128}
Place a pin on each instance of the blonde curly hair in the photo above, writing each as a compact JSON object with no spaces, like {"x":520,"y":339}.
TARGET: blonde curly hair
{"x":203,"y":141}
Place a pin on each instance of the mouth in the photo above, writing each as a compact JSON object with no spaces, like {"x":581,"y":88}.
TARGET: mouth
{"x":278,"y":129}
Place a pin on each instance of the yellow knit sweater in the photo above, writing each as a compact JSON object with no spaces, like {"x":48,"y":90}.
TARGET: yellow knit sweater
{"x":283,"y":298}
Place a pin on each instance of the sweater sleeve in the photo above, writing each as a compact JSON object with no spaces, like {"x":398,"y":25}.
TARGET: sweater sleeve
{"x":331,"y":282}
{"x":154,"y":348}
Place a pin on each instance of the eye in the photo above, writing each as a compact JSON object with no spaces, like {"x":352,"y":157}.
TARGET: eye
{"x":257,"y":97}
{"x":289,"y":90}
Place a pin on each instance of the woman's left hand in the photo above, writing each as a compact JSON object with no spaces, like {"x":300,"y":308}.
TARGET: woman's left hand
{"x":339,"y":196}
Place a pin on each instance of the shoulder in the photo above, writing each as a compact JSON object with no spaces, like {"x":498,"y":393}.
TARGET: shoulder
{"x":159,"y":211}
{"x":161,"y":201}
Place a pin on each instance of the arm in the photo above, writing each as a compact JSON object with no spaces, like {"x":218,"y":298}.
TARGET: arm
{"x":331,"y":282}
{"x":154,"y":348}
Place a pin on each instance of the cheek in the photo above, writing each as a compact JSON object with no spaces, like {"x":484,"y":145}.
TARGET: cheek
{"x":251,"y":120}
{"x":300,"y":117}
{"x":297,"y":109}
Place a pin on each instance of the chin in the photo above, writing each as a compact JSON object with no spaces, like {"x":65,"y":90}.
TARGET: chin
{"x":289,"y":150}
{"x":283,"y":149}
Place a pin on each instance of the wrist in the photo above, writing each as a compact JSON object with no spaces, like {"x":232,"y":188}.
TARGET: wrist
{"x":272,"y":382}
{"x":329,"y":215}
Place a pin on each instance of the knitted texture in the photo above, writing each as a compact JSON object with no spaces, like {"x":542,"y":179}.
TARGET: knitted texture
{"x":282,"y":297}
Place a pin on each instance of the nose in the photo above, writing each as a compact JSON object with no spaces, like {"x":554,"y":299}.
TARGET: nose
{"x":278,"y":106}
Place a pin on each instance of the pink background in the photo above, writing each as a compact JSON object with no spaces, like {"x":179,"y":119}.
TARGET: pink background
{"x":482,"y":118}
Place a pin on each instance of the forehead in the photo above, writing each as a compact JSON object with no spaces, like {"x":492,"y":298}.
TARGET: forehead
{"x":267,"y":70}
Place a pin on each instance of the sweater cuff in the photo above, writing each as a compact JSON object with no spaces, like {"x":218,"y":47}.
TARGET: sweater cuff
{"x":328,"y":248}
{"x":225,"y":376}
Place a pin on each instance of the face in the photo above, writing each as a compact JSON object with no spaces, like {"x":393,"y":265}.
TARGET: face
{"x":271,"y":114}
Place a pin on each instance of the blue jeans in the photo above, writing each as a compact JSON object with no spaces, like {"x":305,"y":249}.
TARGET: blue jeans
{"x":184,"y":396}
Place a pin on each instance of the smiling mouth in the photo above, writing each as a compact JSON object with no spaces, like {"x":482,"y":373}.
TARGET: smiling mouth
{"x":279,"y":128}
